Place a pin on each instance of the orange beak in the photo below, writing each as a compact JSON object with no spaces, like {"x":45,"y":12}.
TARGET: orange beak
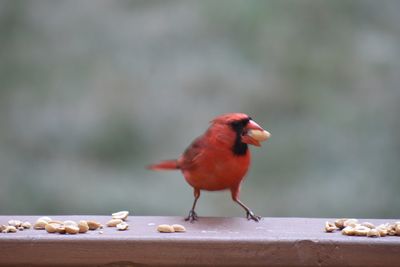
{"x":253,"y":134}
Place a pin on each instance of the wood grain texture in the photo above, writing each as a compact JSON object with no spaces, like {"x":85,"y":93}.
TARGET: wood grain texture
{"x":208,"y":242}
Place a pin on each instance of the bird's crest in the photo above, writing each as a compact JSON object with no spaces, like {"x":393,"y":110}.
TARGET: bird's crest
{"x":229,"y":117}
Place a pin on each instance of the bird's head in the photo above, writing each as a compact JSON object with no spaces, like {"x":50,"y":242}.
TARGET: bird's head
{"x":246,"y":131}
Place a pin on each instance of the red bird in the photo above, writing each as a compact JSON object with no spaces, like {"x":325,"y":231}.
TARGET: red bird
{"x":220,"y":158}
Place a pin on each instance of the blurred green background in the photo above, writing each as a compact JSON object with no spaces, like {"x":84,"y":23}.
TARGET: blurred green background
{"x":93,"y":91}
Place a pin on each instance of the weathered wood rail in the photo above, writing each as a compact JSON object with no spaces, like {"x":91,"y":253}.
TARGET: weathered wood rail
{"x":208,"y":242}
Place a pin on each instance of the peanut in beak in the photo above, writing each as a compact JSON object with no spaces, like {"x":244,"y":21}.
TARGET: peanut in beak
{"x":259,"y":135}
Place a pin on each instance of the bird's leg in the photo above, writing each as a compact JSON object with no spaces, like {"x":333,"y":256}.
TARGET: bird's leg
{"x":192,"y":214}
{"x":249,"y":213}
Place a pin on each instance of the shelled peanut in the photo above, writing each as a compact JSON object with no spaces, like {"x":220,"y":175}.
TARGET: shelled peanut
{"x":65,"y":227}
{"x":14,"y":225}
{"x":118,"y":220}
{"x":352,"y":227}
{"x":166,"y":228}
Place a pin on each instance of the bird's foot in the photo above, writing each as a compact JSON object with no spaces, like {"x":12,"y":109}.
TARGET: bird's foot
{"x":192,"y":216}
{"x":251,"y":216}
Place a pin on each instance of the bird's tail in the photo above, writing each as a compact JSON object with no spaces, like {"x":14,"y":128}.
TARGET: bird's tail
{"x":165,"y":165}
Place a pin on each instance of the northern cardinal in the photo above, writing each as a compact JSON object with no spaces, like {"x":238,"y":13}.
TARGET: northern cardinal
{"x":219,"y":159}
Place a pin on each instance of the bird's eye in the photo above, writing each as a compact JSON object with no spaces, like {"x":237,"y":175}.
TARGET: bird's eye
{"x":236,"y":125}
{"x":239,"y":125}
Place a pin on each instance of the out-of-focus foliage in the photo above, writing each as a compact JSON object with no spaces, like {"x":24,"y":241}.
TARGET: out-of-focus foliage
{"x":93,"y":91}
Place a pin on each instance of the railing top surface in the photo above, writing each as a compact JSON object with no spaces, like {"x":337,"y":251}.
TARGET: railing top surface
{"x":205,"y":229}
{"x":208,"y":242}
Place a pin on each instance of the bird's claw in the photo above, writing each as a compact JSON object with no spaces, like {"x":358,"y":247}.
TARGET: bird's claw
{"x":192,"y":216}
{"x":251,"y":216}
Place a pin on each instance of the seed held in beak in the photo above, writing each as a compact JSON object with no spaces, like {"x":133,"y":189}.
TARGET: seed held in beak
{"x":259,"y":135}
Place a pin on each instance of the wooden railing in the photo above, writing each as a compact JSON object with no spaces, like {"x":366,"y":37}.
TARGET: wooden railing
{"x":207,"y":242}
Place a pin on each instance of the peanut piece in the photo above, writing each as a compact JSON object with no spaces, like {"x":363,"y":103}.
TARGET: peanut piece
{"x":368,"y":224}
{"x":348,"y":230}
{"x":350,"y":222}
{"x":259,"y":135}
{"x":71,"y":229}
{"x":123,"y":215}
{"x":114,"y":222}
{"x":165,"y":228}
{"x":26,"y":225}
{"x":329,"y":227}
{"x":397,"y":228}
{"x":10,"y":229}
{"x":360,"y":230}
{"x":45,"y":218}
{"x":339,"y":223}
{"x":56,"y":221}
{"x":40,"y":224}
{"x":16,"y":223}
{"x":373,"y":233}
{"x":178,"y":228}
{"x":69,"y":222}
{"x":83,"y":226}
{"x":52,"y":227}
{"x":391,"y":232}
{"x":122,"y":226}
{"x":61,"y":229}
{"x":93,"y":225}
{"x":382,"y":230}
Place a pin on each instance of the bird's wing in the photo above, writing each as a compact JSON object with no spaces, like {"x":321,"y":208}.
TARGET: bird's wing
{"x":192,"y":154}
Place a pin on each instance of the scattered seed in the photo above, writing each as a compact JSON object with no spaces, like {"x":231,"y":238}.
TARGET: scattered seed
{"x":391,"y":232}
{"x":56,"y":221}
{"x":178,"y":228}
{"x":70,"y":223}
{"x":114,"y":222}
{"x":368,"y":224}
{"x":348,"y":230}
{"x":329,"y":227}
{"x":40,"y":224}
{"x":16,"y":223}
{"x":350,"y":222}
{"x":339,"y":223}
{"x":10,"y":229}
{"x":353,"y":227}
{"x":83,"y":226}
{"x":382,"y":230}
{"x":45,"y":218}
{"x":71,"y":229}
{"x":123,"y":215}
{"x":26,"y":225}
{"x":61,"y":229}
{"x":165,"y":228}
{"x":360,"y":230}
{"x":397,"y":228}
{"x":52,"y":227}
{"x":373,"y":233}
{"x":122,"y":226}
{"x":93,"y":225}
